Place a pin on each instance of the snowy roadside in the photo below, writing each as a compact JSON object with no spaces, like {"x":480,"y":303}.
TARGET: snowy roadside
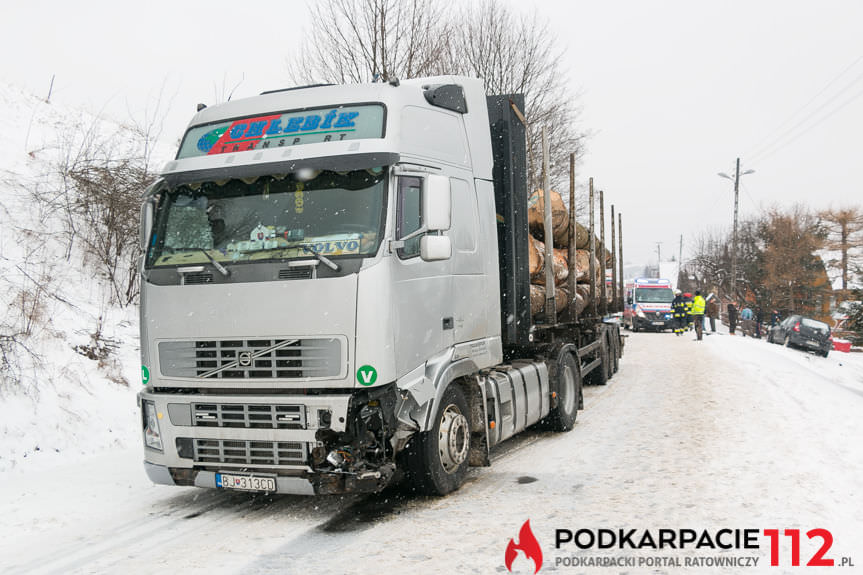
{"x":726,"y":433}
{"x":56,"y":404}
{"x":72,"y":410}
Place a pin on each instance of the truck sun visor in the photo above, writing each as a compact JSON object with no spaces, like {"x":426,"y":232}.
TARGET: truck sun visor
{"x":332,"y":163}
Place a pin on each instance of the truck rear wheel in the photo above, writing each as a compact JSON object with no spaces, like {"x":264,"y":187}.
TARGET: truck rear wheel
{"x":602,"y":372}
{"x":437,"y":460}
{"x":566,"y":381}
{"x":599,"y":374}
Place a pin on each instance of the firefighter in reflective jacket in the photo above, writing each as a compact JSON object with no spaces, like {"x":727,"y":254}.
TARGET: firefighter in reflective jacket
{"x":698,"y":305}
{"x":678,"y":306}
{"x":687,"y":301}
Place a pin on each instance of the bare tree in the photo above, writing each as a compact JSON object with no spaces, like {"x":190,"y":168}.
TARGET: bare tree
{"x":101,"y":173}
{"x":369,"y":40}
{"x":515,"y":55}
{"x":844,"y":227}
{"x":779,"y":267}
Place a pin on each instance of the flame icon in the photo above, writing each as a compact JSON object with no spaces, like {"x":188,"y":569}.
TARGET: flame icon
{"x":527,"y":544}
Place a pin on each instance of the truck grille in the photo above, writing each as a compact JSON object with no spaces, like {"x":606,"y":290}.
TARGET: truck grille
{"x":252,"y":358}
{"x":250,"y":452}
{"x":249,"y":416}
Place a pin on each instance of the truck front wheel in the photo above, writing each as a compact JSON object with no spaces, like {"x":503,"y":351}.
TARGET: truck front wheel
{"x":437,"y":459}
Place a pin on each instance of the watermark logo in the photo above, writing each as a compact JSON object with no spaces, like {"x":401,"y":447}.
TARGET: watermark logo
{"x":527,"y":544}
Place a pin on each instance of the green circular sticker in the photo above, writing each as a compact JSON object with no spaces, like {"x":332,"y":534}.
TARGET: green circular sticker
{"x":367,"y":375}
{"x":145,"y":374}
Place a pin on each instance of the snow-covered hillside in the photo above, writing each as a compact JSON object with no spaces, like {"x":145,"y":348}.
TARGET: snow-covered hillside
{"x":55,"y":401}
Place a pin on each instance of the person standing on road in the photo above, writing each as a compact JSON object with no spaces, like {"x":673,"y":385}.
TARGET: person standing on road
{"x":732,"y":318}
{"x":712,"y":311}
{"x":679,"y":309}
{"x":687,"y":301}
{"x":759,"y":319}
{"x":774,"y":317}
{"x":745,"y":319}
{"x":698,"y":305}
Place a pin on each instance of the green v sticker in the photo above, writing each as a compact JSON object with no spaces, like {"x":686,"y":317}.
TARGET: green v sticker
{"x":367,"y":375}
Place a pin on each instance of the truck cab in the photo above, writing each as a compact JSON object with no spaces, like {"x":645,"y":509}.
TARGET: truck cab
{"x":322,"y":300}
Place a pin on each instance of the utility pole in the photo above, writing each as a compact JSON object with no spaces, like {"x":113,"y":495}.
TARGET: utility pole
{"x":734,"y":236}
{"x":658,"y":260}
{"x":736,"y":178}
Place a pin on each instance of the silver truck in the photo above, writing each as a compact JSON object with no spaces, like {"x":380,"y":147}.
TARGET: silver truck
{"x":335,"y":294}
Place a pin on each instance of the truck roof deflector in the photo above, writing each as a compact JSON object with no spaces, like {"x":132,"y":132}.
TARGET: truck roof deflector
{"x":447,"y":96}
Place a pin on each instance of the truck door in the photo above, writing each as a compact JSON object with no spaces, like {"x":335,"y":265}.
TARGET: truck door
{"x":422,"y":292}
{"x":470,"y":283}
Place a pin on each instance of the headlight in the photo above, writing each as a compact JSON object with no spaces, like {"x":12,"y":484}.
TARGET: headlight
{"x":152,"y":436}
{"x":638,"y":312}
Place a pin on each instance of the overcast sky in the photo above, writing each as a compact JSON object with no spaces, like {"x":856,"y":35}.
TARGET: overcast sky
{"x":672,"y":91}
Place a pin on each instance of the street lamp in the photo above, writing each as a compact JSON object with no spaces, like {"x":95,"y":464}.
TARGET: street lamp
{"x":736,"y":180}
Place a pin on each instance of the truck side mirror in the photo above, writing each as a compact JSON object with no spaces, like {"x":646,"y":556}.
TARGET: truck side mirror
{"x":437,"y":203}
{"x":146,"y":223}
{"x":435,"y":248}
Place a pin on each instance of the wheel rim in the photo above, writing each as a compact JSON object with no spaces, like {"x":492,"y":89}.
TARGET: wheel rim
{"x":453,"y":438}
{"x":568,"y":389}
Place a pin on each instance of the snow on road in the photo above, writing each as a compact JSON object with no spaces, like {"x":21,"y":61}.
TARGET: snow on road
{"x":725,"y":433}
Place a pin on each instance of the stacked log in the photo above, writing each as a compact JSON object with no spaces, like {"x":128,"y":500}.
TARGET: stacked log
{"x":560,"y":232}
{"x":537,"y":299}
{"x":559,"y":217}
{"x":560,"y":267}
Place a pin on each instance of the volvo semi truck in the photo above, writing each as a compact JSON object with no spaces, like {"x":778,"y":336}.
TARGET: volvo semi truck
{"x":335,"y":294}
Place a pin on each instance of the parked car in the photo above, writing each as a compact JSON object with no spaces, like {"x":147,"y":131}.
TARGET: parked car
{"x":802,"y":332}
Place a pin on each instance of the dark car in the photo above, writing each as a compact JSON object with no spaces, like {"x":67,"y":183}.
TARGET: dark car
{"x":802,"y":332}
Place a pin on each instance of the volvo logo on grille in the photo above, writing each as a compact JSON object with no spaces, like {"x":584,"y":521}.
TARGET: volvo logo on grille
{"x":245,"y":358}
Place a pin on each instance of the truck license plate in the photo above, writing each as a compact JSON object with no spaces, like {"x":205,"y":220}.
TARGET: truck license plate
{"x":245,"y":482}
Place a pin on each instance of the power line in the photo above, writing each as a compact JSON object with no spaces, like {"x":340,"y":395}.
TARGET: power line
{"x":746,"y":191}
{"x":790,"y":131}
{"x":807,"y":130}
{"x":804,"y":106}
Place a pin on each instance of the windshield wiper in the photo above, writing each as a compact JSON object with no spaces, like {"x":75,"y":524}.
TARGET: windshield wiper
{"x":323,"y":259}
{"x":222,"y":269}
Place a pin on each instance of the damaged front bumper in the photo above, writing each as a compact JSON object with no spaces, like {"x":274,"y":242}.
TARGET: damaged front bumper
{"x":309,"y":444}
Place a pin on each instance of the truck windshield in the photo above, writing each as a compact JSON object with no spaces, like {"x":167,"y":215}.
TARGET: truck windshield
{"x":270,"y":218}
{"x":654,"y":295}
